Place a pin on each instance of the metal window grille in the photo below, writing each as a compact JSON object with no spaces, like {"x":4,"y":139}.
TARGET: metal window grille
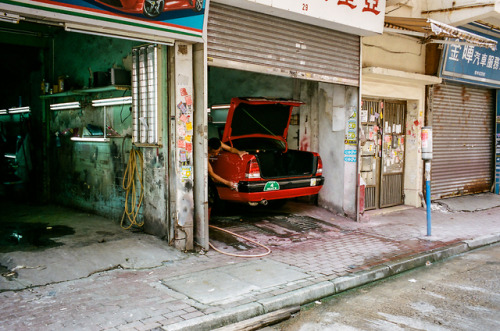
{"x":145,"y":95}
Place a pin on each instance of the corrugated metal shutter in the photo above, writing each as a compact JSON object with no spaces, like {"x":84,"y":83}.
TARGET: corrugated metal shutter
{"x":462,"y":128}
{"x":246,"y":40}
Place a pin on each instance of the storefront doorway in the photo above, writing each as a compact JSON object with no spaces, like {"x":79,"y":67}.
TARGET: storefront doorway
{"x":382,"y":152}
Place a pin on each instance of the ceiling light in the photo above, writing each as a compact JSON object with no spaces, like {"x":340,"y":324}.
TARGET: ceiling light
{"x":66,"y":105}
{"x":112,"y":102}
{"x":19,"y":110}
{"x":90,"y":139}
{"x":3,"y":111}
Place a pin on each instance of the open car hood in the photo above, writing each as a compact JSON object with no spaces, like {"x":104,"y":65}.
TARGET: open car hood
{"x":258,"y":117}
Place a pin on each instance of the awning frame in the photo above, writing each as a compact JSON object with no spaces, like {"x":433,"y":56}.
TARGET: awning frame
{"x":432,"y":31}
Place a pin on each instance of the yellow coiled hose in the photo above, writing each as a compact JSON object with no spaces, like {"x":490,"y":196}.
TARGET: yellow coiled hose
{"x":131,"y":176}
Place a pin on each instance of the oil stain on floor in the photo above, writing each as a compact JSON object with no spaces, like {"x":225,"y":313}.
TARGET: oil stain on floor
{"x":21,"y":236}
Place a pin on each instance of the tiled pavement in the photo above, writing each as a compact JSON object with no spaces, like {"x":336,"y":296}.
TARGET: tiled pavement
{"x":324,"y":247}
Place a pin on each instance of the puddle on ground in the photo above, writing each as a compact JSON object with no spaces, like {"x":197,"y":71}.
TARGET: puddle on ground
{"x":30,"y":236}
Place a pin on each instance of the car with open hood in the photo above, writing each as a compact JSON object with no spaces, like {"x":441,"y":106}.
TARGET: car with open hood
{"x":270,"y":170}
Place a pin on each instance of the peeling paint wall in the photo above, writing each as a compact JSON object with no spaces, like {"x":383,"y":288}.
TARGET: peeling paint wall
{"x":337,"y":108}
{"x":89,"y":175}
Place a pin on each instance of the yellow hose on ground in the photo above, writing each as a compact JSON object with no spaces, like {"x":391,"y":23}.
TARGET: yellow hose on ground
{"x":130,"y":178}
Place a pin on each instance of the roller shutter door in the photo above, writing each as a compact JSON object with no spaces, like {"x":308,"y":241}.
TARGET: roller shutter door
{"x":463,"y":140}
{"x":251,"y":41}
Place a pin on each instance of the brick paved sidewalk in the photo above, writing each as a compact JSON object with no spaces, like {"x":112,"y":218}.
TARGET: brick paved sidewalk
{"x":321,"y":246}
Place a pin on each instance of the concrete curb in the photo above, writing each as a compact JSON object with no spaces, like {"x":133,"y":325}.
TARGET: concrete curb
{"x":218,"y":319}
{"x":327,"y":288}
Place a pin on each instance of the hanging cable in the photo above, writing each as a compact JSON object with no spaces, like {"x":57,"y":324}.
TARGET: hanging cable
{"x":130,"y":178}
{"x":237,"y":235}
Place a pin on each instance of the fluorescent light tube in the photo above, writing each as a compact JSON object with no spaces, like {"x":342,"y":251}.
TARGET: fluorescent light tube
{"x":66,"y":105}
{"x":3,"y":111}
{"x":11,"y":18}
{"x":90,"y":139}
{"x":19,"y":110}
{"x":112,"y":102}
{"x":220,"y":107}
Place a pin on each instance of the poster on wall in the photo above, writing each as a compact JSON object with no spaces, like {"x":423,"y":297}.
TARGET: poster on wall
{"x":175,"y":19}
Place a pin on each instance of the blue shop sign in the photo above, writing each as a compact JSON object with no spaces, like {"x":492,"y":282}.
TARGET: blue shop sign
{"x":472,"y":64}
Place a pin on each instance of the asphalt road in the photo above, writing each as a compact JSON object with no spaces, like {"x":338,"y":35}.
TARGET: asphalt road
{"x":462,"y":293}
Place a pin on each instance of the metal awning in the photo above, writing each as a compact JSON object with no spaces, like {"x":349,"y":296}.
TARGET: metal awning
{"x":434,"y":32}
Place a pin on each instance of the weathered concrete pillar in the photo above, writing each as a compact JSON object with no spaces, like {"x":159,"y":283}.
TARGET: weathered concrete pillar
{"x":181,"y":137}
{"x":200,"y":151}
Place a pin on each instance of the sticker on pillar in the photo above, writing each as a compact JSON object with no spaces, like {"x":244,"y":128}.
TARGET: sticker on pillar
{"x":186,"y":172}
{"x":272,"y":186}
{"x":189,"y":147}
{"x":189,"y":100}
{"x":182,"y":156}
{"x":183,"y":91}
{"x":189,"y":126}
{"x":183,"y":118}
{"x":182,"y":107}
{"x":350,"y":155}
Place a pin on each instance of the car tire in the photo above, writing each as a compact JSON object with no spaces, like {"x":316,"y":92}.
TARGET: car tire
{"x":198,"y":6}
{"x":153,"y":8}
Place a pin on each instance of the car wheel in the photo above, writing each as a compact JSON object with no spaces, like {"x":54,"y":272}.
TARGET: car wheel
{"x":153,"y":8}
{"x":198,"y":6}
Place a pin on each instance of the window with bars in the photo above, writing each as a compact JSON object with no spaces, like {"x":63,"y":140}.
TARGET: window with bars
{"x":145,"y":98}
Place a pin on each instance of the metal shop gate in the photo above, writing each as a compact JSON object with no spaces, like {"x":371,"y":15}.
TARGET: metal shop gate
{"x":463,"y":138}
{"x":246,"y":40}
{"x":383,"y":152}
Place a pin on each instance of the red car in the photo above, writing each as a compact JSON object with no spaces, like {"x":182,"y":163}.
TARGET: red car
{"x":152,"y":8}
{"x":270,"y":171}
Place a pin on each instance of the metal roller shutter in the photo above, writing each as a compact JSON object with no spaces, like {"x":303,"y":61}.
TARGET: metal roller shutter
{"x":462,"y":140}
{"x":252,"y":41}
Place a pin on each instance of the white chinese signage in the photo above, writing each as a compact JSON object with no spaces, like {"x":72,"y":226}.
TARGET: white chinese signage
{"x":361,"y":17}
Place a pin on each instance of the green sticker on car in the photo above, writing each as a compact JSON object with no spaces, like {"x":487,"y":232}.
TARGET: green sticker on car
{"x":272,"y":186}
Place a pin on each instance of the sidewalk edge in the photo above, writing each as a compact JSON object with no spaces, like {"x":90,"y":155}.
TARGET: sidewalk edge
{"x":327,"y":288}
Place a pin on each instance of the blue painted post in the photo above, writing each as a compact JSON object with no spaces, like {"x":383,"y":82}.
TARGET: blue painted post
{"x":427,"y":157}
{"x":428,"y":195}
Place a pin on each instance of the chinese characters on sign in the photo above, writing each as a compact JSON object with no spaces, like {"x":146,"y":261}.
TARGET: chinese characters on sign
{"x":369,"y":5}
{"x":361,"y":17}
{"x":469,"y":63}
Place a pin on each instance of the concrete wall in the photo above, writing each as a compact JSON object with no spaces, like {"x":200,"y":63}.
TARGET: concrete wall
{"x":323,"y":129}
{"x":393,"y":51}
{"x":89,"y":175}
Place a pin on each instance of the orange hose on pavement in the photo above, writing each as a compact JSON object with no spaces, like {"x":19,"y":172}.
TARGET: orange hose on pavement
{"x":237,"y":235}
